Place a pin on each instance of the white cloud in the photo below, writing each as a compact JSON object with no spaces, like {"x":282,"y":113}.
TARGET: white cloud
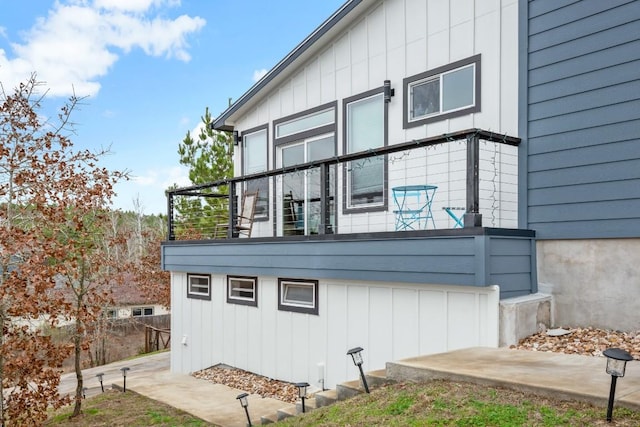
{"x":149,"y":189}
{"x":163,"y":178}
{"x":133,"y":5}
{"x":79,"y":41}
{"x":258,"y":74}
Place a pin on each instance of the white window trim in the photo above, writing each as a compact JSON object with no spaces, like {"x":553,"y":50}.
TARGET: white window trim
{"x":299,"y":307}
{"x":199,"y":295}
{"x":235,"y":299}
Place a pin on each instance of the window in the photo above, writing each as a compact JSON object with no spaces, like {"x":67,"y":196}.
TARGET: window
{"x":365,"y":129}
{"x":301,"y":138}
{"x":254,"y":160}
{"x":199,"y":286}
{"x":449,"y":91}
{"x":300,"y":296}
{"x":142,"y":311}
{"x":242,"y":290}
{"x":111,"y":314}
{"x":305,"y":123}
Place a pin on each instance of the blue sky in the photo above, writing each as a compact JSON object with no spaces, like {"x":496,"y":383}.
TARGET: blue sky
{"x":148,"y":68}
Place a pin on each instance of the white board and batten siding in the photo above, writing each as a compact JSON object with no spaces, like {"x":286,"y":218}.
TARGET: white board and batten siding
{"x":395,"y":39}
{"x":391,"y":321}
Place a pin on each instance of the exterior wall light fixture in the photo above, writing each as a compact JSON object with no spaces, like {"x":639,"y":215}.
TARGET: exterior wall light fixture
{"x":236,"y":137}
{"x":356,"y":355}
{"x":388,"y":91}
{"x":616,"y":363}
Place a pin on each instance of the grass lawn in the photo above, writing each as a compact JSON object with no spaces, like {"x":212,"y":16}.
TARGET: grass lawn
{"x":438,"y":403}
{"x":443,"y":403}
{"x":114,"y":408}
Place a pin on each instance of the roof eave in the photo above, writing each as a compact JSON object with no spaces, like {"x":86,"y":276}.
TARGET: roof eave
{"x":220,"y":123}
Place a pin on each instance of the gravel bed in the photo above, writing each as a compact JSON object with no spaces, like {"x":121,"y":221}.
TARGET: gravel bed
{"x":584,"y":341}
{"x":249,"y":382}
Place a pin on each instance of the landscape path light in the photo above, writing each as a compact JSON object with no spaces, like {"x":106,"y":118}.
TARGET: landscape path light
{"x":244,"y":402}
{"x":616,"y":364}
{"x":100,"y":375}
{"x":302,"y":393}
{"x":356,"y":355}
{"x":124,"y":377}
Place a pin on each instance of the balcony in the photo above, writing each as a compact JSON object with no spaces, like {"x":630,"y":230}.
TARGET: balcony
{"x":336,"y":218}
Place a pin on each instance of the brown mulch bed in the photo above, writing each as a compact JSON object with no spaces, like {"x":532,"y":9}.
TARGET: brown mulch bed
{"x":584,"y":341}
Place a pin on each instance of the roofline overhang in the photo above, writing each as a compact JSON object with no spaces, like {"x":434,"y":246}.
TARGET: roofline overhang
{"x":220,"y":123}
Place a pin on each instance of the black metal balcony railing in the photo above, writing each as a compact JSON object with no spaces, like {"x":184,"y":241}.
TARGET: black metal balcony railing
{"x":204,"y":211}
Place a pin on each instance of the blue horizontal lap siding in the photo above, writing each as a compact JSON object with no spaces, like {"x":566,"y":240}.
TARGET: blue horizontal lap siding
{"x":446,"y":260}
{"x":384,"y":259}
{"x":605,"y":152}
{"x":512,"y":266}
{"x":586,"y":137}
{"x":585,"y":27}
{"x":585,"y":101}
{"x":568,"y":122}
{"x":583,"y":116}
{"x":545,"y":15}
{"x":584,"y":82}
{"x":606,"y":191}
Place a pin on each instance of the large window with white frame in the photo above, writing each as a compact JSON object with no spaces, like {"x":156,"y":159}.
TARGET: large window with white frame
{"x":445,"y":92}
{"x":199,"y":286}
{"x":242,"y":290}
{"x":365,"y":129}
{"x":300,"y":296}
{"x":254,"y":160}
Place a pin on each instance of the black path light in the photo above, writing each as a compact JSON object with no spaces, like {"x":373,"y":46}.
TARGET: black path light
{"x":124,"y":377}
{"x":100,"y":375}
{"x":244,"y":402}
{"x":302,"y":393}
{"x":356,"y":355}
{"x":616,"y":363}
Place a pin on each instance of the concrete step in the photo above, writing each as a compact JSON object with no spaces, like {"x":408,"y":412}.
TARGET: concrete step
{"x":309,"y":405}
{"x":268,"y":419}
{"x":326,"y":398}
{"x":286,"y":412}
{"x":377,"y":378}
{"x":417,"y":369}
{"x":349,"y":389}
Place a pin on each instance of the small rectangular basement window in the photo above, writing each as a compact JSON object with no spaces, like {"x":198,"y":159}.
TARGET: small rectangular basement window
{"x":300,"y":296}
{"x":199,"y":286}
{"x":242,"y":290}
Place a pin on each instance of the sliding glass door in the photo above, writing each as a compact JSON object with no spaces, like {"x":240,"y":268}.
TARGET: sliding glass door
{"x":301,"y":213}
